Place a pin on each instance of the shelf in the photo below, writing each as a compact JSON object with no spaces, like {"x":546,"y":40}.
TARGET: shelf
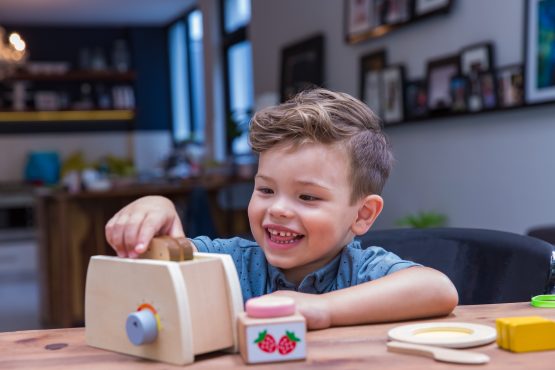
{"x":57,"y":116}
{"x":457,"y":115}
{"x":75,"y":76}
{"x":386,"y":28}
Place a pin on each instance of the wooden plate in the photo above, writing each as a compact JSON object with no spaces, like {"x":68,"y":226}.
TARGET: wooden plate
{"x":444,"y":334}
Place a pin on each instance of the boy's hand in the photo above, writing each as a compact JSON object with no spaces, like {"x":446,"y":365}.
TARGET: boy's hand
{"x":132,"y":228}
{"x":313,"y":307}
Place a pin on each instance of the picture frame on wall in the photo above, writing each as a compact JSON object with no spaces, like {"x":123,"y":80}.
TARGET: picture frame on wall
{"x":371,"y":67}
{"x":439,"y":74}
{"x":488,"y":90}
{"x":539,"y":61}
{"x":427,"y":7}
{"x":359,"y":18}
{"x":302,"y":66}
{"x":393,"y":78}
{"x":477,"y":58}
{"x":459,"y":87}
{"x":397,"y":11}
{"x":378,"y":12}
{"x":510,"y":86}
{"x":416,"y":99}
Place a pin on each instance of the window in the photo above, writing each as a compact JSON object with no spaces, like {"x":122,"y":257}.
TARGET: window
{"x":187,"y":77}
{"x":238,"y":73}
{"x":237,"y":14}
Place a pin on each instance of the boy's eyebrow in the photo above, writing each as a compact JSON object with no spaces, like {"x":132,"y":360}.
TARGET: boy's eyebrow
{"x":312,"y":183}
{"x":301,"y":182}
{"x":263,"y":177}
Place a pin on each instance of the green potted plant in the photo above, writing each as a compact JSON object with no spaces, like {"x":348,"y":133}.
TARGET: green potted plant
{"x":423,"y":220}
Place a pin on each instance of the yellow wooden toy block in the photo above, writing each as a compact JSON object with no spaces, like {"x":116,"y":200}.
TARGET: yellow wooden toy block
{"x":502,"y":327}
{"x":532,"y":336}
{"x":525,"y":334}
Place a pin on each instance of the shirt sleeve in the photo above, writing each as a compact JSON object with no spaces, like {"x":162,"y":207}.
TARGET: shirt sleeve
{"x":232,"y":246}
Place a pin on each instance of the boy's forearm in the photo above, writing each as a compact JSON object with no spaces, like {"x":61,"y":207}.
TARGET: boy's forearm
{"x":416,"y":292}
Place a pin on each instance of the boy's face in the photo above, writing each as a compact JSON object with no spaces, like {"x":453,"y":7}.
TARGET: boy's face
{"x":300,"y":211}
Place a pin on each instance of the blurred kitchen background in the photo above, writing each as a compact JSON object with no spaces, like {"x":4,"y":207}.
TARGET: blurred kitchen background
{"x":104,"y":101}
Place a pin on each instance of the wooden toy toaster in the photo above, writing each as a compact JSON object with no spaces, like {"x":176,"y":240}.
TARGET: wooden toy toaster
{"x":161,"y":309}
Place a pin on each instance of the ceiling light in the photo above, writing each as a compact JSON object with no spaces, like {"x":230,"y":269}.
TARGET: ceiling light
{"x":13,"y":53}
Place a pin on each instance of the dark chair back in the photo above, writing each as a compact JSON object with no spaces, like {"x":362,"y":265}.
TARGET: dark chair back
{"x":546,"y":233}
{"x":486,"y":266}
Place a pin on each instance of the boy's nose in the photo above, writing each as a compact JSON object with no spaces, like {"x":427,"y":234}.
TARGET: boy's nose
{"x":280,"y":210}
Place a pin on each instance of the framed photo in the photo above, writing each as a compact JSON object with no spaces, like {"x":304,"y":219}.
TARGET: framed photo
{"x":416,"y":99}
{"x":540,"y":55}
{"x":510,"y":86}
{"x":440,"y":72}
{"x":397,"y":11}
{"x":302,"y":66}
{"x":477,"y":58}
{"x":488,"y":90}
{"x":474,"y":93}
{"x":380,"y":7}
{"x":393,"y":91}
{"x":371,"y":67}
{"x":427,"y":7}
{"x":459,"y":93}
{"x":360,"y":18}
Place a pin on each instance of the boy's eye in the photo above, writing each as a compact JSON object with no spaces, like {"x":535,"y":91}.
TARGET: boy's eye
{"x":265,"y":190}
{"x":308,"y":197}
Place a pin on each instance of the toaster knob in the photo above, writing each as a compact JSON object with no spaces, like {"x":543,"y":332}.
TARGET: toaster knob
{"x":141,"y":327}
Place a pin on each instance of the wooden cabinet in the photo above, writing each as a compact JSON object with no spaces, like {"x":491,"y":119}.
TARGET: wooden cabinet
{"x":71,"y":230}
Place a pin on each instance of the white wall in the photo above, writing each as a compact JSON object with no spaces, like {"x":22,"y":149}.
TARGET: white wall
{"x":491,"y":170}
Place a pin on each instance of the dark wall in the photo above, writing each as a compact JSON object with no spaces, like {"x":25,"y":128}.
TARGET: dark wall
{"x":150,"y":58}
{"x":149,"y":61}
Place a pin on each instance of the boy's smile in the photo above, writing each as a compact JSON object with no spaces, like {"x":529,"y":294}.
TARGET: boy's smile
{"x":300,"y":211}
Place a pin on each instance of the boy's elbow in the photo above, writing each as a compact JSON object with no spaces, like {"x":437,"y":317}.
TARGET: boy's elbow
{"x":446,"y":295}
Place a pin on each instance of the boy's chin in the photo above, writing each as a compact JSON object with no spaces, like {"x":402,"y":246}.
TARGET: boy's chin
{"x":281,"y":262}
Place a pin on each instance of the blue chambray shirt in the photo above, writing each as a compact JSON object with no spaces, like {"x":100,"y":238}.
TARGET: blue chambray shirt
{"x":352,"y":266}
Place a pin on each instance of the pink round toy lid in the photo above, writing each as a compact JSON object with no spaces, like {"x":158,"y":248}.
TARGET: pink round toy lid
{"x":270,"y":306}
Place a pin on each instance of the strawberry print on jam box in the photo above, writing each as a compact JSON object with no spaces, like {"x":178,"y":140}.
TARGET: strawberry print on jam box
{"x":271,"y":330}
{"x":271,"y":342}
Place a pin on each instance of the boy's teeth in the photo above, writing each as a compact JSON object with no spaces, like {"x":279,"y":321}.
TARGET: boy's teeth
{"x":282,"y":233}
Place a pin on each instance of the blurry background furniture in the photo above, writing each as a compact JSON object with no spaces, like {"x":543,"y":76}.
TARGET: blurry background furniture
{"x":71,"y":230}
{"x":546,"y":233}
{"x":486,"y":266}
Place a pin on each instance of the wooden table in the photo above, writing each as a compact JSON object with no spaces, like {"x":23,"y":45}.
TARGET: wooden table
{"x":356,"y":347}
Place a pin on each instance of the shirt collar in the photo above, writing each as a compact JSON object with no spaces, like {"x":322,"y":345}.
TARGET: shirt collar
{"x":316,"y":282}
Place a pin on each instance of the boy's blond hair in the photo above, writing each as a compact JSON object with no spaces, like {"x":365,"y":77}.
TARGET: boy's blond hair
{"x":327,"y":117}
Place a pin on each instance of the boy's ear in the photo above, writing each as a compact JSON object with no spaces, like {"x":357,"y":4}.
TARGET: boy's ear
{"x":370,"y":208}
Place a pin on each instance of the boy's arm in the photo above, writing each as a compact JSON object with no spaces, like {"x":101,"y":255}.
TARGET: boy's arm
{"x":130,"y":230}
{"x":412,"y":293}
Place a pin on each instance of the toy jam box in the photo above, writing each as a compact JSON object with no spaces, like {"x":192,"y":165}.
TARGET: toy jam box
{"x":271,"y":330}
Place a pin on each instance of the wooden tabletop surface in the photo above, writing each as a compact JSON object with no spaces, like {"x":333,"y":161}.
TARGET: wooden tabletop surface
{"x":356,"y":347}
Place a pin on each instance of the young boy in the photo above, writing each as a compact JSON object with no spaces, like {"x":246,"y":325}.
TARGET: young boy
{"x":323,"y":163}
